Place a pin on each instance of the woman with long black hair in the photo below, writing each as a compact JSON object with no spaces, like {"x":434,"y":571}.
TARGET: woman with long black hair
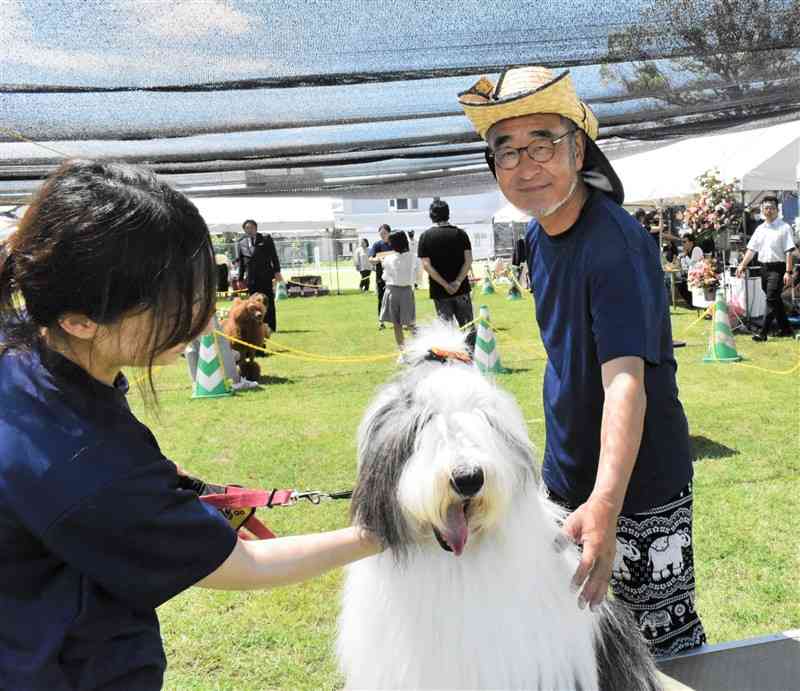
{"x":109,"y":268}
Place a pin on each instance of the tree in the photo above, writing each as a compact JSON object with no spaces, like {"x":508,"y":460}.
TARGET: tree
{"x":731,"y":59}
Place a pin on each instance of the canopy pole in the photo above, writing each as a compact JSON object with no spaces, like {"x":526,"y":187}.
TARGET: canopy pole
{"x":744,"y":218}
{"x":336,"y":257}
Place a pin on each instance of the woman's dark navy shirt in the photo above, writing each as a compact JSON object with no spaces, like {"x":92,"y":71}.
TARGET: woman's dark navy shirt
{"x":600,"y":295}
{"x":94,"y":532}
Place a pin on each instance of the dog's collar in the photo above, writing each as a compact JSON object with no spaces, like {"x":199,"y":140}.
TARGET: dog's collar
{"x":440,"y":355}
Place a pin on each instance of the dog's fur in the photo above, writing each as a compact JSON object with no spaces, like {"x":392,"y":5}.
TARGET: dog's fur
{"x":497,"y":610}
{"x":245,"y":322}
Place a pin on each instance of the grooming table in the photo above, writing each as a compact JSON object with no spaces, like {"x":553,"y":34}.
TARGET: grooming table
{"x":766,"y":663}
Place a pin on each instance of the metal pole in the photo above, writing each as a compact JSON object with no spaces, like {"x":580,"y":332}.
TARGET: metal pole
{"x":746,"y":279}
{"x":336,"y":258}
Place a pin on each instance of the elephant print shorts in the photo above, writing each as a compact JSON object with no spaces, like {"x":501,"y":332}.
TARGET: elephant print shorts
{"x":654,"y":574}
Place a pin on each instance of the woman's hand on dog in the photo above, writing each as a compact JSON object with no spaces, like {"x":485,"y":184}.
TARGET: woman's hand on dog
{"x":593,"y":525}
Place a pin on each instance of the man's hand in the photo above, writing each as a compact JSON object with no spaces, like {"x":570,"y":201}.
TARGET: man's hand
{"x":787,"y":279}
{"x":740,"y":271}
{"x":452,"y":287}
{"x":593,"y":525}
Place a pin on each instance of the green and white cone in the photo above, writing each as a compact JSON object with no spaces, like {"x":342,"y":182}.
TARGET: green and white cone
{"x":486,"y":357}
{"x":280,"y":292}
{"x":209,"y":381}
{"x":513,"y":291}
{"x":487,"y":288}
{"x":721,"y":347}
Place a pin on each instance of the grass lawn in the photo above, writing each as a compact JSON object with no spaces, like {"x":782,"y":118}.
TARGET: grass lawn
{"x":298,"y":431}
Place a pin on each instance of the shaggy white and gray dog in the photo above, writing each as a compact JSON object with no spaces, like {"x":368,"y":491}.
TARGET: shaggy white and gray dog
{"x":470,"y":592}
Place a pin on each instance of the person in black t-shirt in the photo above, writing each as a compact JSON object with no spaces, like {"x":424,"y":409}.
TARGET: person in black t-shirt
{"x":446,"y":255}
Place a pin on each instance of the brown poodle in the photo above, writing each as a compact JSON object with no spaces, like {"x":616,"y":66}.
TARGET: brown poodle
{"x":245,"y":323}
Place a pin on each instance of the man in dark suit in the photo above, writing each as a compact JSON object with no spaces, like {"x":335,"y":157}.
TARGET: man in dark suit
{"x":259,"y":266}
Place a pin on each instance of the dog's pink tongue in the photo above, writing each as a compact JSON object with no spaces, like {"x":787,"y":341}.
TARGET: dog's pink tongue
{"x":456,"y":531}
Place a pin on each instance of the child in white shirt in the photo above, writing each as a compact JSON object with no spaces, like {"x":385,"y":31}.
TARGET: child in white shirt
{"x":398,"y":305}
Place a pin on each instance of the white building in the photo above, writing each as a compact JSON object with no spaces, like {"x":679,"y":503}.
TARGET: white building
{"x":472,"y":212}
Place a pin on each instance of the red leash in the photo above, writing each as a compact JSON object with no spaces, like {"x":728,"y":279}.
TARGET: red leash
{"x":239,"y":505}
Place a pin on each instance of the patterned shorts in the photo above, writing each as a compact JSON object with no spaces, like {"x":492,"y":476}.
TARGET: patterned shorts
{"x":653,"y":574}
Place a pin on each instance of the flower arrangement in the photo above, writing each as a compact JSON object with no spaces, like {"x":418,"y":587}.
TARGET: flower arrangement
{"x":715,"y":208}
{"x":702,"y":275}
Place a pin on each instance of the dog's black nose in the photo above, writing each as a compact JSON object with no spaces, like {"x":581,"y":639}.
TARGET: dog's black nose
{"x":467,"y":480}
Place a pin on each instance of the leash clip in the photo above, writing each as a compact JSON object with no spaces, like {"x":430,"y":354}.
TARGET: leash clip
{"x":311,"y":496}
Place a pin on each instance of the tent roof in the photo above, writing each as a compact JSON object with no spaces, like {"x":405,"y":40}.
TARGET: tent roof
{"x":359,"y":98}
{"x":226,"y":210}
{"x":760,"y":159}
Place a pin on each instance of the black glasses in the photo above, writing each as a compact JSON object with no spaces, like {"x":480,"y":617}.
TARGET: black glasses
{"x":540,"y":149}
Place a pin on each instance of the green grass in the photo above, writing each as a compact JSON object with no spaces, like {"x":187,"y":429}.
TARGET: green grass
{"x":299,"y":430}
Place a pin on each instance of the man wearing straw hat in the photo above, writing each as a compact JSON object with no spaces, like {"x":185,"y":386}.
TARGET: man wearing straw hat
{"x":617,"y":443}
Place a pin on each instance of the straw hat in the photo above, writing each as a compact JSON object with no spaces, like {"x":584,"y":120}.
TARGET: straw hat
{"x":529,"y":90}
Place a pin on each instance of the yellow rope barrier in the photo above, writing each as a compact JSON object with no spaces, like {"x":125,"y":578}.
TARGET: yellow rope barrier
{"x":311,"y":357}
{"x":770,"y":371}
{"x":713,"y":309}
{"x":698,"y":320}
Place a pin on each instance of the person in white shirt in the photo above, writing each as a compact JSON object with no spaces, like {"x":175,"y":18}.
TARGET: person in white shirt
{"x":772,"y":242}
{"x":691,"y":252}
{"x":398,"y":305}
{"x":690,"y":256}
{"x":362,"y":264}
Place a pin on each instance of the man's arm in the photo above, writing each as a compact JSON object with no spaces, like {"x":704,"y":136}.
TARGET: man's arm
{"x":462,"y":273}
{"x":594,"y":523}
{"x":789,"y":253}
{"x":374,"y":259}
{"x":752,"y":250}
{"x":748,"y":257}
{"x":433,"y":273}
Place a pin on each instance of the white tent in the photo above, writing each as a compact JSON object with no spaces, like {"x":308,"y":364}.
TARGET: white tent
{"x":761,"y":159}
{"x":265,"y":210}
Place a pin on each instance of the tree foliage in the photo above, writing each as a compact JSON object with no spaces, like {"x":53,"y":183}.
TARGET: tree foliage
{"x":743,"y":55}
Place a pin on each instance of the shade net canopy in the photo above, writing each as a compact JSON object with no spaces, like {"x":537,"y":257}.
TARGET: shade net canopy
{"x":359,"y":98}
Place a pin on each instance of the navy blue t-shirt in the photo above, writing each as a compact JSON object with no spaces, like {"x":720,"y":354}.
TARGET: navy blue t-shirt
{"x":94,"y":532}
{"x":376,"y":248}
{"x":599,"y":293}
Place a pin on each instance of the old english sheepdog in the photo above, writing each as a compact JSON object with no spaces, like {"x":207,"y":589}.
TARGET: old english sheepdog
{"x":470,"y":591}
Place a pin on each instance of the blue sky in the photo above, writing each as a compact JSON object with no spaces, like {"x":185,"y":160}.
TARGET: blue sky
{"x":146,"y":42}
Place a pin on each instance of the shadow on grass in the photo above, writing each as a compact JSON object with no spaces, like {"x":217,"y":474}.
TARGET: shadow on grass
{"x":516,"y":370}
{"x":267,"y":380}
{"x":294,"y":331}
{"x":703,"y":447}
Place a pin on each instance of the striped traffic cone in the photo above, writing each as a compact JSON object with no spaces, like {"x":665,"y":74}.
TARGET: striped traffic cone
{"x":486,"y":357}
{"x":280,"y":292}
{"x":721,"y":347}
{"x":487,"y":288}
{"x":209,"y":381}
{"x":514,"y":293}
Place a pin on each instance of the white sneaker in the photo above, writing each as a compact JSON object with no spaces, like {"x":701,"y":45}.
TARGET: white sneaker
{"x":245,"y":385}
